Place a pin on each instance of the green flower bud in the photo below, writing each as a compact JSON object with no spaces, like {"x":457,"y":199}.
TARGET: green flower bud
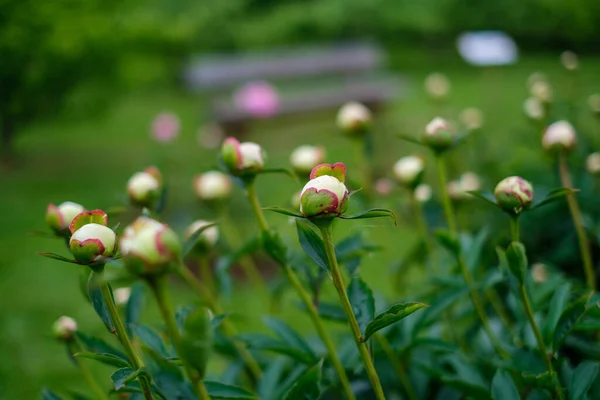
{"x":305,"y":158}
{"x":197,"y":339}
{"x":408,"y":171}
{"x":145,"y":188}
{"x":559,"y":136}
{"x":63,"y":328}
{"x":514,"y":194}
{"x":91,"y":240}
{"x":149,"y":247}
{"x":325,"y":195}
{"x":242,"y":159}
{"x":438,"y":134}
{"x":212,"y":186}
{"x":354,"y":119}
{"x":59,"y":217}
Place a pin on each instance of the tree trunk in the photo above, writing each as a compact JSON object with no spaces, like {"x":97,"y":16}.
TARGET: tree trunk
{"x":6,"y":138}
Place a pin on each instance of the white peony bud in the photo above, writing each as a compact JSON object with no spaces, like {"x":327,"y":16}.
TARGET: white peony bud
{"x":539,"y":273}
{"x":472,"y":118}
{"x":208,"y":237}
{"x":212,"y":185}
{"x":594,"y":103}
{"x":91,"y":242}
{"x":559,"y":136}
{"x":60,"y":217}
{"x":144,"y":188}
{"x":305,"y":158}
{"x":325,"y":195}
{"x":438,"y":134}
{"x":353,"y":118}
{"x":64,"y":327}
{"x":409,"y":170}
{"x":569,"y":60}
{"x":245,"y":158}
{"x":533,"y":108}
{"x":542,"y":91}
{"x":437,"y":85}
{"x":423,"y":193}
{"x":122,"y":295}
{"x":592,"y":163}
{"x":514,"y":194}
{"x":458,"y":189}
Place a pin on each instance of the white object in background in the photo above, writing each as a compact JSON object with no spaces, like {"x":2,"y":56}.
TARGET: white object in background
{"x":487,"y":48}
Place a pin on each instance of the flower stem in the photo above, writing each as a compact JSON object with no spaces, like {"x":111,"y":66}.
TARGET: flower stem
{"x":253,"y":198}
{"x":514,"y":228}
{"x":420,"y":221}
{"x":443,"y":182}
{"x":389,"y":352}
{"x":121,"y":333}
{"x":228,"y":328}
{"x":75,"y":347}
{"x":538,"y":337}
{"x":314,"y":316}
{"x":584,"y":245}
{"x":338,"y":282}
{"x":159,"y":288}
{"x":207,"y":275}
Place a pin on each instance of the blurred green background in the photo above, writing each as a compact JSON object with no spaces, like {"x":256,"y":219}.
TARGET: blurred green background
{"x":82,"y":81}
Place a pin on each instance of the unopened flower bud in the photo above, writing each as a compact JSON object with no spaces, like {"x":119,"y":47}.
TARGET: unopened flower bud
{"x":149,"y":247}
{"x":454,"y":190}
{"x":458,"y":189}
{"x":592,"y":163}
{"x":542,"y":91}
{"x":437,"y":85}
{"x":144,"y":188}
{"x":539,"y":273}
{"x":354,"y":118}
{"x":122,"y":295}
{"x":325,"y":195}
{"x":59,"y":217}
{"x":91,"y":240}
{"x":594,"y":103}
{"x":438,"y":134}
{"x":514,"y":194}
{"x":409,"y":171}
{"x":305,"y":158}
{"x":536,"y":77}
{"x":383,"y":186}
{"x":423,"y":193}
{"x":533,"y":108}
{"x":569,"y":60}
{"x":472,"y":118}
{"x":242,"y":159}
{"x":212,"y":185}
{"x":207,"y":238}
{"x":64,"y":327}
{"x":559,"y":136}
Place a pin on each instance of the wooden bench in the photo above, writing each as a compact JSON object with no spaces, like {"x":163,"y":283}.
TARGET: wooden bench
{"x":305,"y":79}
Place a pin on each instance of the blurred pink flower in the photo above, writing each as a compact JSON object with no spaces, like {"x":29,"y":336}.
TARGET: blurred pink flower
{"x":259,"y":99}
{"x":165,"y":127}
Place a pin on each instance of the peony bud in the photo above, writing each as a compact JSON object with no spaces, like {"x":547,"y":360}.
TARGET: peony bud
{"x":542,"y":91}
{"x":536,"y":77}
{"x":212,"y":185}
{"x":91,"y":239}
{"x":122,"y":295}
{"x":592,"y":163}
{"x":438,"y":135}
{"x":594,"y":103}
{"x":569,"y":60}
{"x":354,"y":118}
{"x":533,"y":108}
{"x":383,"y":186}
{"x":539,"y":273}
{"x":437,"y":86}
{"x":59,"y":217}
{"x":472,"y":118}
{"x":206,"y":240}
{"x":144,"y":188}
{"x":514,"y":194}
{"x":149,"y":247}
{"x":409,"y":171}
{"x":242,"y":159}
{"x":305,"y":158}
{"x":325,"y":195}
{"x":454,"y":190}
{"x":423,"y":193}
{"x":64,"y":327}
{"x":458,"y":189}
{"x":559,"y":136}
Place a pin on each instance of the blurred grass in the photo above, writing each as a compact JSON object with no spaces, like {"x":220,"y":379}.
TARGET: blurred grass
{"x":90,"y":161}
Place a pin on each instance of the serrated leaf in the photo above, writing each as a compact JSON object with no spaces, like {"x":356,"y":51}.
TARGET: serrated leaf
{"x":392,"y":315}
{"x":47,"y":394}
{"x":280,"y":210}
{"x":97,"y":300}
{"x":312,"y":244}
{"x":151,"y":338}
{"x":484,"y":195}
{"x":372,"y":213}
{"x":105,"y":358}
{"x":503,"y":387}
{"x":449,"y":241}
{"x":118,"y":377}
{"x":193,"y":239}
{"x":554,"y":195}
{"x":307,"y":386}
{"x":517,"y":261}
{"x":582,"y":380}
{"x":275,"y":247}
{"x":57,"y":257}
{"x":362,"y":301}
{"x":218,"y":390}
{"x":135,"y":304}
{"x":288,"y":335}
{"x":566,"y":322}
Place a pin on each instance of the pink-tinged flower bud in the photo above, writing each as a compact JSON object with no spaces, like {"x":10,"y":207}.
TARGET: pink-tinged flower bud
{"x":569,"y":60}
{"x":144,"y":188}
{"x":383,"y":186}
{"x":594,"y":103}
{"x":438,"y":134}
{"x":542,"y":91}
{"x":437,"y":85}
{"x":325,"y":195}
{"x":59,"y":217}
{"x":206,"y":240}
{"x":458,"y":189}
{"x":409,"y":171}
{"x":471,"y":118}
{"x":122,"y":295}
{"x":305,"y":158}
{"x":63,"y":328}
{"x":165,"y":127}
{"x":539,"y":273}
{"x":149,"y":247}
{"x":423,"y":193}
{"x":514,"y":194}
{"x":354,"y":118}
{"x":533,"y":108}
{"x":91,"y":239}
{"x":559,"y":136}
{"x":592,"y":163}
{"x":212,"y":185}
{"x":242,"y":159}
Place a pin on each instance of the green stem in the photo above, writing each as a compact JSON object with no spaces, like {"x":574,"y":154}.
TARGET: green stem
{"x":227,"y":327}
{"x":314,"y":316}
{"x":75,"y":347}
{"x":420,"y":221}
{"x":207,"y":275}
{"x":121,"y":333}
{"x":159,"y":288}
{"x":338,"y":282}
{"x":584,"y":245}
{"x":389,"y":352}
{"x":514,"y":228}
{"x":443,"y":182}
{"x":538,"y":337}
{"x":253,"y":198}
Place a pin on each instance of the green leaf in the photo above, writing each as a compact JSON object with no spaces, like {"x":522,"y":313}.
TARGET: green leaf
{"x":280,"y":210}
{"x":218,"y":390}
{"x":263,"y":342}
{"x":105,"y":358}
{"x":97,"y":300}
{"x":372,"y":213}
{"x":135,"y":304}
{"x":449,"y":241}
{"x":47,"y":394}
{"x":362,"y":301}
{"x":567,"y":321}
{"x":484,"y":195}
{"x":58,"y":257}
{"x":393,"y":314}
{"x":275,"y":247}
{"x":197,"y":339}
{"x":97,"y":345}
{"x":118,"y":377}
{"x":411,"y":139}
{"x":503,"y":387}
{"x":312,"y":244}
{"x":168,"y":377}
{"x":582,"y":380}
{"x":193,"y":239}
{"x":152,"y":339}
{"x":288,"y":335}
{"x":554,"y":195}
{"x":268,"y":387}
{"x":330,"y":312}
{"x":559,"y":301}
{"x":545,"y":380}
{"x":307,"y":385}
{"x":517,"y":261}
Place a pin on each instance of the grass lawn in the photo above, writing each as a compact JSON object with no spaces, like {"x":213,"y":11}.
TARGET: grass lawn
{"x":90,"y":161}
